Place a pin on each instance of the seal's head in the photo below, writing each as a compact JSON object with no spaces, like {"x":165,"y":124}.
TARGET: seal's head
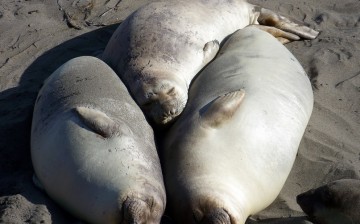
{"x":336,"y":202}
{"x":162,"y":99}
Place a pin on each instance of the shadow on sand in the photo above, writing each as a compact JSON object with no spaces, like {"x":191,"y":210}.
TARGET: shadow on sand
{"x":16,"y":112}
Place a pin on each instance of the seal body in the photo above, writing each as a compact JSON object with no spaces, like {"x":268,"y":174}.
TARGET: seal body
{"x":160,"y":48}
{"x":333,"y":203}
{"x":92,"y":150}
{"x":230,"y":152}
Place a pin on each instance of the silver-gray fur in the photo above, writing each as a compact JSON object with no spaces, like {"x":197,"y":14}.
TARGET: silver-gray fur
{"x":159,"y":49}
{"x":333,"y":203}
{"x":230,"y":152}
{"x":92,"y":150}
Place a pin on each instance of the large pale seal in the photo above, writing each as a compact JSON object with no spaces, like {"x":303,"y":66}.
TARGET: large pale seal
{"x":159,"y":48}
{"x":230,"y":152}
{"x":92,"y":149}
{"x":334,"y":203}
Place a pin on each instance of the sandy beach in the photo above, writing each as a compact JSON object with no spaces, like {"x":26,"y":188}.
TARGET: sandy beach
{"x":38,"y":36}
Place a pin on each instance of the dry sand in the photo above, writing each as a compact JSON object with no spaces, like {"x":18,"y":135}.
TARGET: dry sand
{"x":37,"y":36}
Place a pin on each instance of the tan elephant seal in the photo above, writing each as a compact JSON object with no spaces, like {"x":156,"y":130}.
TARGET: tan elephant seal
{"x":92,"y":150}
{"x":159,"y":48}
{"x":229,"y":153}
{"x":335,"y":203}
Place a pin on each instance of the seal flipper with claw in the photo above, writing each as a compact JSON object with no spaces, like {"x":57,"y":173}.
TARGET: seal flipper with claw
{"x":284,"y":29}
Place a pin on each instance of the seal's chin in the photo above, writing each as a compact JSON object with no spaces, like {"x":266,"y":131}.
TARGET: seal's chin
{"x":167,"y":120}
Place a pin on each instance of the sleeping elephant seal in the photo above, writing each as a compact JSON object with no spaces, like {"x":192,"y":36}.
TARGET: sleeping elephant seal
{"x":159,"y":48}
{"x":335,"y":203}
{"x":230,"y":152}
{"x":92,"y":150}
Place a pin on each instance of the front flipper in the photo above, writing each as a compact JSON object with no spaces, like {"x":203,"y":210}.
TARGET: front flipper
{"x":222,"y":109}
{"x":270,"y":18}
{"x":98,"y":121}
{"x":210,"y":50}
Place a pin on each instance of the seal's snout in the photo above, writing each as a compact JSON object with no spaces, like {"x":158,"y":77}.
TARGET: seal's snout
{"x":165,"y":105}
{"x":143,"y":209}
{"x":216,"y":216}
{"x":135,"y":211}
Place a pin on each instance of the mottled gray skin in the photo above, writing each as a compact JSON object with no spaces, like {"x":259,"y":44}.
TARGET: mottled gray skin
{"x":159,"y":49}
{"x":92,"y":150}
{"x":230,"y":152}
{"x":335,"y":203}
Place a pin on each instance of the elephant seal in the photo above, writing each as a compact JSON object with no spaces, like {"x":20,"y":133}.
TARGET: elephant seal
{"x":230,"y":152}
{"x":159,"y":48}
{"x":92,"y":150}
{"x":334,"y":203}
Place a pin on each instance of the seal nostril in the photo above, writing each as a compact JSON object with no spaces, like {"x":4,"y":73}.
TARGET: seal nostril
{"x":216,"y":216}
{"x":135,"y":211}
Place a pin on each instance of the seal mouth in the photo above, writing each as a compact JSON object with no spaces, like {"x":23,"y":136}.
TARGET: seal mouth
{"x":172,"y":111}
{"x":162,"y":102}
{"x":169,"y":118}
{"x":136,"y":210}
{"x":165,"y":112}
{"x":161,"y":117}
{"x":217,"y":216}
